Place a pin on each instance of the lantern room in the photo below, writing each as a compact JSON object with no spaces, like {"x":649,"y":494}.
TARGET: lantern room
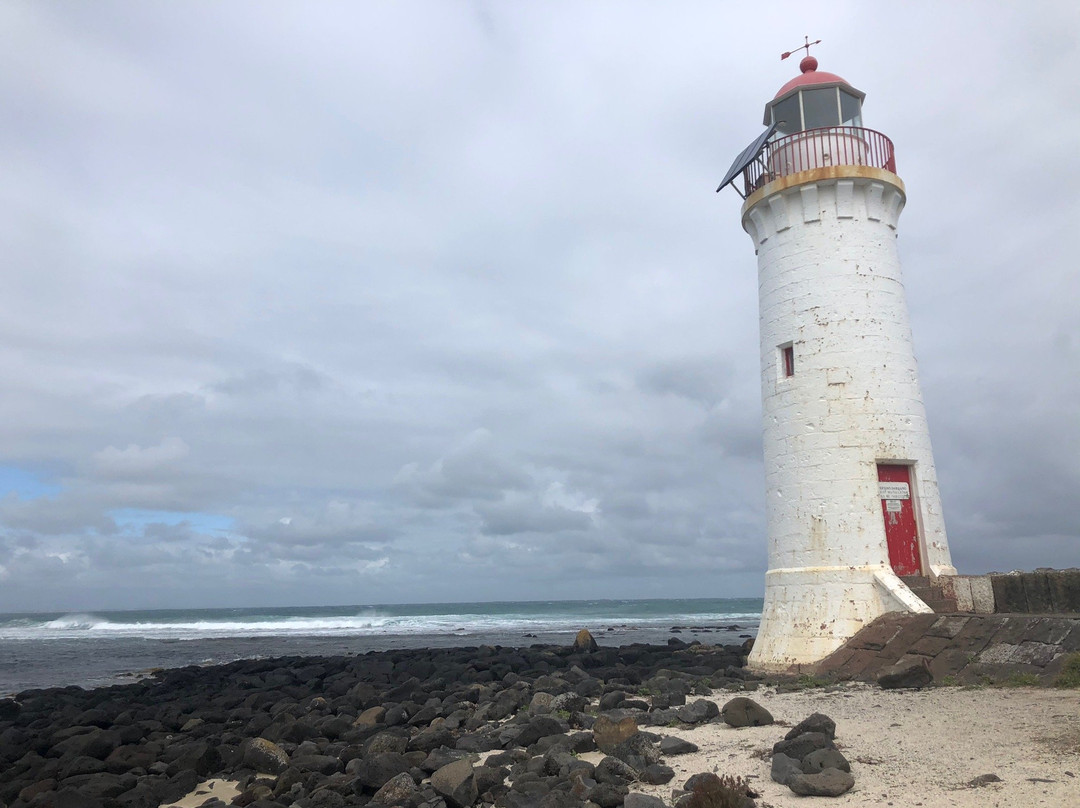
{"x":813,"y":123}
{"x":814,"y":100}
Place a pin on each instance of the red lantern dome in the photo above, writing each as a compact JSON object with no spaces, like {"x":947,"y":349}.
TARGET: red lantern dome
{"x":814,"y":99}
{"x":810,"y":75}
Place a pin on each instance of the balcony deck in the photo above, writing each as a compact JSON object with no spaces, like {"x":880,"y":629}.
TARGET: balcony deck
{"x":818,"y":148}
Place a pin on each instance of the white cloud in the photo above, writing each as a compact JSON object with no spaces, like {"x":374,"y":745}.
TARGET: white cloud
{"x":136,"y":461}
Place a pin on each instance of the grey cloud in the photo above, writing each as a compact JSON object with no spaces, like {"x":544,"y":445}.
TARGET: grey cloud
{"x":734,"y":429}
{"x":290,"y":377}
{"x":473,"y":469}
{"x":335,"y":522}
{"x":527,"y":514}
{"x":50,"y":516}
{"x":166,"y":532}
{"x":704,"y":381}
{"x":140,"y":462}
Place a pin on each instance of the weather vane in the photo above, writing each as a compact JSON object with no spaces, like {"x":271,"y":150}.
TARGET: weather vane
{"x":783,"y":56}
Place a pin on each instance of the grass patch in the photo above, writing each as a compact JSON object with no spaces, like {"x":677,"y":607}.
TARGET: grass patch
{"x":949,"y":681}
{"x":1070,"y":673}
{"x":1022,"y":680}
{"x":808,"y":681}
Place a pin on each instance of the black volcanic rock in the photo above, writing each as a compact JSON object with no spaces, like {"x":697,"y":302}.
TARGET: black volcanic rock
{"x":784,"y":768}
{"x":818,"y":722}
{"x":698,"y":712}
{"x":743,"y":712}
{"x":802,"y":745}
{"x":827,"y":783}
{"x":376,"y":771}
{"x":906,"y":674}
{"x":323,"y":732}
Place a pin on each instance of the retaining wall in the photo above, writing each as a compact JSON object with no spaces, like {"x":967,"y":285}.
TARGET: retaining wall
{"x":1039,"y":592}
{"x":970,"y":648}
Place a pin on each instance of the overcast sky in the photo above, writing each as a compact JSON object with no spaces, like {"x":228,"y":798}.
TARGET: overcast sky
{"x":399,"y":302}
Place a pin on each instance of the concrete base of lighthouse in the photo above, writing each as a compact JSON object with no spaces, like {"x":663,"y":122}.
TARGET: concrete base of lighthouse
{"x":811,"y":611}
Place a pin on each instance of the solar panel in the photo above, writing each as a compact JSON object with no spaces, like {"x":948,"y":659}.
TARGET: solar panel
{"x":747,"y":156}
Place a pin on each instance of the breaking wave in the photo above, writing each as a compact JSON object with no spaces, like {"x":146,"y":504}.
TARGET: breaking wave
{"x":73,"y":626}
{"x":460,"y":620}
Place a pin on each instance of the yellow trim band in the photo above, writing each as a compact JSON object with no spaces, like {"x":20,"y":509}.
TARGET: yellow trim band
{"x":823,"y":174}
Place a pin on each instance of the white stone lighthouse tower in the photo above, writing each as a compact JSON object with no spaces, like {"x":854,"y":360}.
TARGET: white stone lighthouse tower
{"x":852,"y":496}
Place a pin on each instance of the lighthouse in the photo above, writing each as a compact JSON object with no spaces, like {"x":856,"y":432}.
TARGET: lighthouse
{"x":852,"y":505}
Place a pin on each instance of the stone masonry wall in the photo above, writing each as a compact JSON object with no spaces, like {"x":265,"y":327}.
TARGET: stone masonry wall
{"x":1044,"y":591}
{"x":1039,"y":592}
{"x":970,"y":648}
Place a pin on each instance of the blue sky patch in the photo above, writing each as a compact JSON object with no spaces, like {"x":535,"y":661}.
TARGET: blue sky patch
{"x":25,"y":484}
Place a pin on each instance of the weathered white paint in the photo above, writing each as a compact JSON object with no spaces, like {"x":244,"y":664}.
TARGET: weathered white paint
{"x":830,"y":284}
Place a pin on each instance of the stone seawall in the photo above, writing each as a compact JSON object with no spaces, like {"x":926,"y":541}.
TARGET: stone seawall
{"x":969,"y":648}
{"x":1044,"y":591}
{"x":1039,"y":592}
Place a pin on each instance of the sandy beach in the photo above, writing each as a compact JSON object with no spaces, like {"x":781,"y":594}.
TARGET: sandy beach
{"x":910,"y":748}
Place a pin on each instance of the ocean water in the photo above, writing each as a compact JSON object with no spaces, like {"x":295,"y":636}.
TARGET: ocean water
{"x":111,"y":647}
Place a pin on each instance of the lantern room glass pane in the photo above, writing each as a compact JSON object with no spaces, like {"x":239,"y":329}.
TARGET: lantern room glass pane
{"x":820,"y":108}
{"x":788,"y":112}
{"x":850,"y":109}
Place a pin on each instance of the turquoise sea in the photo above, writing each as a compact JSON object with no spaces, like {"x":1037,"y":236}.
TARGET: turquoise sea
{"x":107,"y":647}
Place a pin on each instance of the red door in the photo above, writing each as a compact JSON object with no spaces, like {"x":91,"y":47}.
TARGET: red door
{"x":901,"y":530}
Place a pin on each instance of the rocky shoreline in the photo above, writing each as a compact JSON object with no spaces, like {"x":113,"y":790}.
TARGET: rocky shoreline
{"x":584,"y":726}
{"x":422,"y":728}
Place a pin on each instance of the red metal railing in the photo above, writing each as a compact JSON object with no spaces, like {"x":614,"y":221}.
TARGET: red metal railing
{"x":819,"y":148}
